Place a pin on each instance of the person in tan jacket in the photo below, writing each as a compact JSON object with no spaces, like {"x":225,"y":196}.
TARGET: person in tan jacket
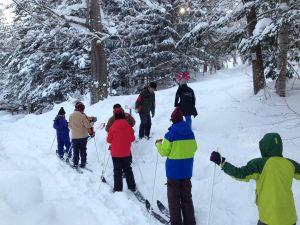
{"x":111,"y":120}
{"x":81,"y":128}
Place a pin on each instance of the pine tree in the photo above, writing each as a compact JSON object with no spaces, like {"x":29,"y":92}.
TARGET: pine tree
{"x":50,"y":59}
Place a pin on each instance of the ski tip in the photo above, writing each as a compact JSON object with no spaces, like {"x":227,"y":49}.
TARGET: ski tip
{"x":103,"y":179}
{"x":159,"y":203}
{"x":147,"y":204}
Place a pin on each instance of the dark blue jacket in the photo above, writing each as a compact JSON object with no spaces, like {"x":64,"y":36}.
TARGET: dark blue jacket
{"x":61,"y":125}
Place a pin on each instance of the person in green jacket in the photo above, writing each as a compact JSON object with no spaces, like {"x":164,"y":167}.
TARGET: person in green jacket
{"x":274,"y":177}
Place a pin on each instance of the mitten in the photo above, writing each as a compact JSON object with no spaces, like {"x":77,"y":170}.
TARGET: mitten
{"x":93,"y":119}
{"x":158,"y":141}
{"x":217,"y":158}
{"x":92,"y":134}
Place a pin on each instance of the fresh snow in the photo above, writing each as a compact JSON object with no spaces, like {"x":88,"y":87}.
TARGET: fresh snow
{"x":261,"y":25}
{"x":38,"y":189}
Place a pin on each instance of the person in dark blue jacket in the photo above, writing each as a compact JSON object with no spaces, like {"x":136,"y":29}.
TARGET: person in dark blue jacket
{"x":62,"y":134}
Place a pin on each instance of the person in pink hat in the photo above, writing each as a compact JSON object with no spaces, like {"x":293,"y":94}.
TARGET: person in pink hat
{"x":185,"y":97}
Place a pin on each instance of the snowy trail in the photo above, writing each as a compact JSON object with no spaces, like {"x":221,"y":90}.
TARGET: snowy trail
{"x":230,"y":118}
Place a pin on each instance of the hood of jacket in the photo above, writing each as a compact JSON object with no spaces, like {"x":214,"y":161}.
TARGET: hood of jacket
{"x":271,"y":145}
{"x":59,"y":117}
{"x":182,"y":129}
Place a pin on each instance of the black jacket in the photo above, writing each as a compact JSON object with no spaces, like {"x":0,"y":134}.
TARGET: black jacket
{"x":185,"y":99}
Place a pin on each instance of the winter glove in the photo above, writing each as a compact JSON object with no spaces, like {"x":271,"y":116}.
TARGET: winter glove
{"x":92,"y":134}
{"x":153,"y":113}
{"x":158,"y":141}
{"x":217,"y":158}
{"x":93,"y":119}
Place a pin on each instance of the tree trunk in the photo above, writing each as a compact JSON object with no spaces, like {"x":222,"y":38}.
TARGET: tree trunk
{"x":234,"y":59}
{"x":283,"y":43}
{"x":98,"y":59}
{"x":205,"y":68}
{"x":256,"y":55}
{"x":218,"y":64}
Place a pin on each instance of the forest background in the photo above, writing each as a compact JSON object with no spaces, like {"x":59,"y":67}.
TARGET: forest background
{"x":56,"y":49}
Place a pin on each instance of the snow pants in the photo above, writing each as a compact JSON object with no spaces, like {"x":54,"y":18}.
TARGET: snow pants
{"x":123,"y":164}
{"x":180,"y":202}
{"x":63,"y":140}
{"x":79,"y":149}
{"x":145,"y":125}
{"x":260,"y":223}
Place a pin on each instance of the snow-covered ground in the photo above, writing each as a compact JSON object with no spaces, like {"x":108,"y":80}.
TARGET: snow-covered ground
{"x":37,"y":189}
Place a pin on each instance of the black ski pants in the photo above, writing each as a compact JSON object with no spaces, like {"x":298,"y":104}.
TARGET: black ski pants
{"x":180,"y":202}
{"x":79,"y":149}
{"x":123,"y":164}
{"x":260,"y":223}
{"x":145,"y":125}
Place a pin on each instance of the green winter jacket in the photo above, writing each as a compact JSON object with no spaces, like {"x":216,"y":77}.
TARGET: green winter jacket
{"x":274,"y":176}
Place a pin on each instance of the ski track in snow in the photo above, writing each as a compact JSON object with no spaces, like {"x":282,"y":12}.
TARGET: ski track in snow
{"x":231,"y":119}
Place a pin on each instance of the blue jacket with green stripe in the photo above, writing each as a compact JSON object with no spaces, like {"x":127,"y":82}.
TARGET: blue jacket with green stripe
{"x":179,"y":145}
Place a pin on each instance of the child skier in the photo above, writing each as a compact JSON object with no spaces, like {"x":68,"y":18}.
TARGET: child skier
{"x":274,"y":177}
{"x":120,"y":136}
{"x":179,"y":146}
{"x":82,"y":128}
{"x":62,"y":134}
{"x":111,"y":120}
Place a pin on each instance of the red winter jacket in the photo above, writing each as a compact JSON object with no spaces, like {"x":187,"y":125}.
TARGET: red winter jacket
{"x":120,"y":136}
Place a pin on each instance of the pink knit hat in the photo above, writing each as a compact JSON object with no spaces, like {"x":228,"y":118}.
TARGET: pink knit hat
{"x":183,"y":75}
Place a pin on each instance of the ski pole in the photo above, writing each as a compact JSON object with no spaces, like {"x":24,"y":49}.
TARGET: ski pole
{"x":212,"y":192}
{"x":104,"y":155}
{"x":71,"y":146}
{"x":154,"y":183}
{"x":138,"y":165}
{"x":103,"y":164}
{"x":103,"y":172}
{"x":96,"y":149}
{"x":52,"y":143}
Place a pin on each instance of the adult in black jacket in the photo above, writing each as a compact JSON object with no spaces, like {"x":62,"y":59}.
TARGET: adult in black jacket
{"x":185,"y":99}
{"x":145,"y":104}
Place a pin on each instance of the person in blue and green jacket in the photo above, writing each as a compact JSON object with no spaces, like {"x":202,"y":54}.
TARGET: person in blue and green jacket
{"x":179,"y":146}
{"x":274,"y":177}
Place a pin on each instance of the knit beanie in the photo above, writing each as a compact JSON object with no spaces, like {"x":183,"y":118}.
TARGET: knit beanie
{"x":153,"y":85}
{"x":79,"y":106}
{"x":183,"y":77}
{"x":119,"y":113}
{"x":176,"y":115}
{"x":117,"y":106}
{"x":61,"y":111}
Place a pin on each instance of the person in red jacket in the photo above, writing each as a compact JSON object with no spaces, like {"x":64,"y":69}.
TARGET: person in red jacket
{"x":120,"y":136}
